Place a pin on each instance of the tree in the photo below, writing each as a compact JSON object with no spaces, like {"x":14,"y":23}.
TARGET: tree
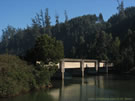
{"x":8,"y":35}
{"x":57,"y":19}
{"x":121,"y":10}
{"x":57,"y":24}
{"x":101,"y":18}
{"x":47,"y":22}
{"x":66,"y":16}
{"x":42,"y":20}
{"x":120,"y":6}
{"x":46,"y":49}
{"x":128,"y":51}
{"x":101,"y":46}
{"x":115,"y":51}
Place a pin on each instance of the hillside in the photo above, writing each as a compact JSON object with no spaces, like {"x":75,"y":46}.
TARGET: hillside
{"x":87,"y":36}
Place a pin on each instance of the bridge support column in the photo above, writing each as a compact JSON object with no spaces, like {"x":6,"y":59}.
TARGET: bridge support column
{"x":62,"y":69}
{"x":96,"y":65}
{"x":82,"y":67}
{"x":106,"y":65}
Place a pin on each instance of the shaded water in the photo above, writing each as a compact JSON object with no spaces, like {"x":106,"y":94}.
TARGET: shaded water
{"x":92,"y":88}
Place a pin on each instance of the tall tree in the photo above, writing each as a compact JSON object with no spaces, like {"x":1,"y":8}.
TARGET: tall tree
{"x":121,"y":10}
{"x":66,"y":16}
{"x":57,"y":24}
{"x":47,"y":22}
{"x":57,"y":19}
{"x":7,"y":38}
{"x":115,"y":51}
{"x":101,"y":18}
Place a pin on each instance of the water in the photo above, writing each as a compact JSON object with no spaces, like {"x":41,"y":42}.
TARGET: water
{"x":92,"y":88}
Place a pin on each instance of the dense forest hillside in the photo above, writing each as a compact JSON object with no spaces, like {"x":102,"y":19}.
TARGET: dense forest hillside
{"x":78,"y":33}
{"x":120,"y":23}
{"x":87,"y":36}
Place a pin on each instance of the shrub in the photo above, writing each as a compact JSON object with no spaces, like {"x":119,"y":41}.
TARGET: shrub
{"x":15,"y":76}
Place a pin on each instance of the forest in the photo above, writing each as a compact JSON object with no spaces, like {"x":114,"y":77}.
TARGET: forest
{"x":87,"y":36}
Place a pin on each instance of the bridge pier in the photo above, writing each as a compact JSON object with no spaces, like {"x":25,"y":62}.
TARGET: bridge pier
{"x":106,"y":65}
{"x":62,"y":66}
{"x":96,"y":65}
{"x":82,"y":67}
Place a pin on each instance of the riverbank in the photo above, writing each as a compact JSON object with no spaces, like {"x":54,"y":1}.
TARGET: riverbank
{"x":18,"y":77}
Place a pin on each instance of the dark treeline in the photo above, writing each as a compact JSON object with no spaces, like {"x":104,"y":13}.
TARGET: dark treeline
{"x":87,"y":36}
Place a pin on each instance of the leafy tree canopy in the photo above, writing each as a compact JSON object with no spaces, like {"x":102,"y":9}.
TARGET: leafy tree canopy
{"x":46,"y":49}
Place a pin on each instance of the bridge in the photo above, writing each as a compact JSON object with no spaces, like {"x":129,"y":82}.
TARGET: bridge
{"x":82,"y":64}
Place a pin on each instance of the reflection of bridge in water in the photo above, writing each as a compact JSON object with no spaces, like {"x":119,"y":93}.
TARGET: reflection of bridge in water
{"x":95,"y":88}
{"x":83,"y":64}
{"x":80,"y":90}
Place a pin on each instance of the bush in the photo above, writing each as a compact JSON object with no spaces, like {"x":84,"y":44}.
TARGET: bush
{"x":15,"y":76}
{"x":43,"y":73}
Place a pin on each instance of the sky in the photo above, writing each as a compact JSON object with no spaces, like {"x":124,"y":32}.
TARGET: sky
{"x":18,"y":13}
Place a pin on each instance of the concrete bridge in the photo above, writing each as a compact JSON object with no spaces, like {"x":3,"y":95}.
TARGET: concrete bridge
{"x":82,"y":64}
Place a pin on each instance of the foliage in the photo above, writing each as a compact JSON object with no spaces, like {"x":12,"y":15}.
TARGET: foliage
{"x":128,"y":51}
{"x":43,"y":73}
{"x":46,"y":49}
{"x":16,"y":76}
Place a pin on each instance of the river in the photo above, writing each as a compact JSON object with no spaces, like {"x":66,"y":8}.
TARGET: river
{"x":90,"y":88}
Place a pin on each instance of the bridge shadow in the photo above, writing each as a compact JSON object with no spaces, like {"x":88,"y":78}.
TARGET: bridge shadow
{"x":76,"y":72}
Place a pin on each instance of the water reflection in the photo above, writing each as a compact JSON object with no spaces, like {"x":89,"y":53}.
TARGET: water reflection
{"x":96,"y":87}
{"x":84,"y":89}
